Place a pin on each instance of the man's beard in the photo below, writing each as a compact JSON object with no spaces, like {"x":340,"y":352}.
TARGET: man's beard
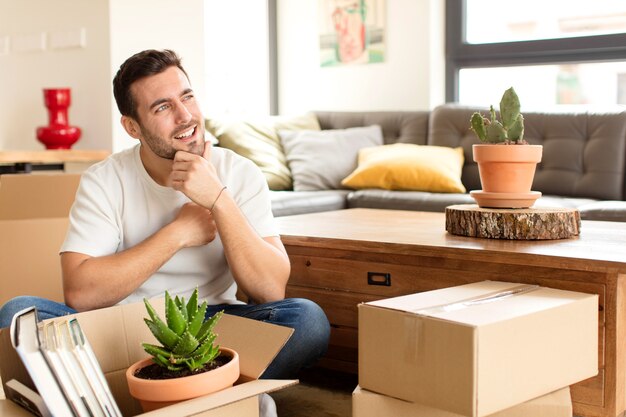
{"x":161,"y":148}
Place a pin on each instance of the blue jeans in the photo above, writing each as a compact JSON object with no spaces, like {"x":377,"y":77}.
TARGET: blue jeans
{"x":307,"y":344}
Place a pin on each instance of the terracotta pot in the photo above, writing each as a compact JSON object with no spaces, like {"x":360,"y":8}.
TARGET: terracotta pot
{"x":153,"y":394}
{"x":507,"y":168}
{"x":506,"y":175}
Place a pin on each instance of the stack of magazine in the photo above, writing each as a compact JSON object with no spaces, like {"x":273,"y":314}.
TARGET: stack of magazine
{"x":63,"y":367}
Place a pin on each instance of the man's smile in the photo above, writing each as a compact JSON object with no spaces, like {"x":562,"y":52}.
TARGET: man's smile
{"x":186,"y":135}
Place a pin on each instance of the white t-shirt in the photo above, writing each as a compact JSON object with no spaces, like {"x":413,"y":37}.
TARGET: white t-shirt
{"x":118,"y":205}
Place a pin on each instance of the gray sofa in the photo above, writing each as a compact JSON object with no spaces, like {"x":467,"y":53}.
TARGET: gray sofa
{"x":583,"y":164}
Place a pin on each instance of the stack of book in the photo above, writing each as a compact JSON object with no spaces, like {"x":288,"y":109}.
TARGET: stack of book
{"x":63,"y":368}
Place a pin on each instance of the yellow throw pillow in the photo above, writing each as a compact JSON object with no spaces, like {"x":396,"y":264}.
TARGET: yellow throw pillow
{"x":258,"y":140}
{"x":408,"y":167}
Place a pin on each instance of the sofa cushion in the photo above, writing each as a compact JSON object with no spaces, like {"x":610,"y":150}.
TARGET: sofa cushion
{"x":547,"y":200}
{"x":590,"y":209}
{"x":612,"y":211}
{"x":409,"y":167}
{"x":584,"y":153}
{"x":319,"y":160}
{"x":397,"y":126}
{"x":257,"y":139}
{"x":287,"y":203}
{"x":406,"y":200}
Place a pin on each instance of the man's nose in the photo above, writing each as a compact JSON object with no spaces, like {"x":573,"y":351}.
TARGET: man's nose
{"x":183,"y":115}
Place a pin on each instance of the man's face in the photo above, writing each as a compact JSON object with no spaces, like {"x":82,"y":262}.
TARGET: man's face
{"x":168,"y":115}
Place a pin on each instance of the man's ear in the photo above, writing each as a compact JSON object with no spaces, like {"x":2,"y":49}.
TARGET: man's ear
{"x":131,"y":127}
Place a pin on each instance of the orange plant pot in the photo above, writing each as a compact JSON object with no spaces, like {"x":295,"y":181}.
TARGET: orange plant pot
{"x":153,"y":394}
{"x":507,"y":168}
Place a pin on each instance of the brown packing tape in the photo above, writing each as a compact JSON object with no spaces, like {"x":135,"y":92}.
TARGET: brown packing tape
{"x":477,"y":300}
{"x":413,"y":338}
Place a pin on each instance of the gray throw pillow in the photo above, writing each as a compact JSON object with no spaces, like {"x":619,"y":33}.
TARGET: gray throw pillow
{"x":319,"y":160}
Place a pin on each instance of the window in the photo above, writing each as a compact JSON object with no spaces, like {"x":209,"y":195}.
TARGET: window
{"x":239,"y":57}
{"x":569,"y":53}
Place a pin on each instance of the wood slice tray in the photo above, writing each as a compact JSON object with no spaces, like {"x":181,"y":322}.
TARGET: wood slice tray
{"x":515,"y":224}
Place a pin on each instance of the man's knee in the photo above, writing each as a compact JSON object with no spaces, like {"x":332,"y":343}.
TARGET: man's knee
{"x":14,"y":305}
{"x":309,"y":340}
{"x":46,"y":308}
{"x":311,"y":322}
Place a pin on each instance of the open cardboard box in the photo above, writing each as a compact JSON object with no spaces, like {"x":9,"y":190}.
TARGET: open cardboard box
{"x":369,"y":404}
{"x":116,"y":334}
{"x":479,"y":348}
{"x":34,"y":211}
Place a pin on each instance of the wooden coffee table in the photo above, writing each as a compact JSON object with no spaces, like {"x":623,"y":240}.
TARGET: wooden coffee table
{"x":342,"y":258}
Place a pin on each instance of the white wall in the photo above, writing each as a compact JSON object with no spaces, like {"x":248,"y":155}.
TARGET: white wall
{"x":23,"y":75}
{"x":237,"y":54}
{"x":156,"y":24}
{"x":411,"y":77}
{"x":115,"y":29}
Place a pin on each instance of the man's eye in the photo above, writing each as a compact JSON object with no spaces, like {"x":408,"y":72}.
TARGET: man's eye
{"x":187,"y":97}
{"x":162,"y":107}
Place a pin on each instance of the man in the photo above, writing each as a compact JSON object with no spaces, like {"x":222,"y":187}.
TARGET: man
{"x":175,"y":213}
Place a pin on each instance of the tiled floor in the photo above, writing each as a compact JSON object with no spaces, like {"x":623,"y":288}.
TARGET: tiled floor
{"x":321,"y":393}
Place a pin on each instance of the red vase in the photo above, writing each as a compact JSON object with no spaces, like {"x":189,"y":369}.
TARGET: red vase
{"x":58,"y":134}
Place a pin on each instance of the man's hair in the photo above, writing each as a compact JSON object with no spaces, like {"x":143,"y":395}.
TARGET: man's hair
{"x":138,"y":66}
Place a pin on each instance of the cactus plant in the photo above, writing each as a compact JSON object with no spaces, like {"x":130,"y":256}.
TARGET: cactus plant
{"x":186,"y":336}
{"x":511,"y":127}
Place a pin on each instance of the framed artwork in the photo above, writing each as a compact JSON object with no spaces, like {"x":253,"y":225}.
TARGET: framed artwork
{"x":351,"y":32}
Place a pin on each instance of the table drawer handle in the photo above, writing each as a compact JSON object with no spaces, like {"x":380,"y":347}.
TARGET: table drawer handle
{"x":379,"y":278}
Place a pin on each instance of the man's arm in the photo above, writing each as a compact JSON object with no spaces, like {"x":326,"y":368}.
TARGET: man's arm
{"x":260,"y":266}
{"x":96,"y":282}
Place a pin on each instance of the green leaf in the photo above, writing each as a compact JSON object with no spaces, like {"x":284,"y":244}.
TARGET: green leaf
{"x":178,"y":301}
{"x":509,"y":108}
{"x":195,"y":321}
{"x":496,"y":132}
{"x":155,"y":350}
{"x":162,"y":333}
{"x":186,"y":345}
{"x":208,"y":325}
{"x":175,"y":319}
{"x":151,"y":311}
{"x":183,"y":309}
{"x":192,"y":305}
{"x":191,"y":364}
{"x":204,"y":346}
{"x":198,"y":362}
{"x":516,"y":131}
{"x":492,"y":111}
{"x":209,"y":356}
{"x":477,"y":124}
{"x":161,"y":361}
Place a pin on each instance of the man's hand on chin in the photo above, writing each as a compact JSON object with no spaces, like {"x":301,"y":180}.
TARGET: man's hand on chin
{"x":195,"y":176}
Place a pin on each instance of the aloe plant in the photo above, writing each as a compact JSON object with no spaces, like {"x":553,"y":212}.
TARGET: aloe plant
{"x":186,"y":336}
{"x":509,"y":129}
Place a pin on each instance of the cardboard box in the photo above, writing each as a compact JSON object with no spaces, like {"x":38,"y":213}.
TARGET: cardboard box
{"x":368,"y":404}
{"x":479,"y":348}
{"x":34,"y":211}
{"x":116,"y":333}
{"x":10,"y":409}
